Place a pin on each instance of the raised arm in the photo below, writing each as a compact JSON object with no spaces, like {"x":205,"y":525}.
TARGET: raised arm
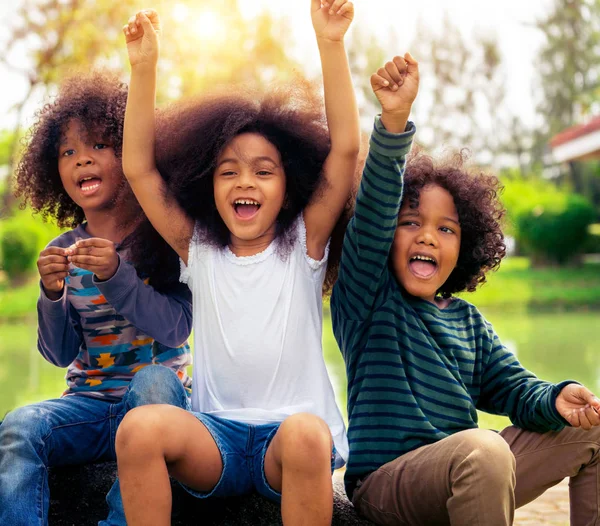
{"x":371,"y":231}
{"x":170,"y":221}
{"x":331,"y":21}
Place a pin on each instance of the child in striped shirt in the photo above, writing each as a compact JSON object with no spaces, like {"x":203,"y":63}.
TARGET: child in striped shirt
{"x":420,"y":362}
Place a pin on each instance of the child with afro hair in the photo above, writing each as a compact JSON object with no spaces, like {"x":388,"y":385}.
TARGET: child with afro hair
{"x":421,"y":362}
{"x":98,"y":315}
{"x":248,"y":190}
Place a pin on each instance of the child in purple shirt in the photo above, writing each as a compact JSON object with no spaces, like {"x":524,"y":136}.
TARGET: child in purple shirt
{"x":121,"y":329}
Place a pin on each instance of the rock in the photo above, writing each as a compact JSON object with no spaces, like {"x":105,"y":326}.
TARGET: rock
{"x":77,"y":498}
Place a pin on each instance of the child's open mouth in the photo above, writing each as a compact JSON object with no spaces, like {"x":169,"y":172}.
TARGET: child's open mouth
{"x":89,"y":184}
{"x":422,"y":266}
{"x":246,"y":208}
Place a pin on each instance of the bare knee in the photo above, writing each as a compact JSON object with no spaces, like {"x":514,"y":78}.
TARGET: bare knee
{"x":142,"y":431}
{"x":305,"y":441}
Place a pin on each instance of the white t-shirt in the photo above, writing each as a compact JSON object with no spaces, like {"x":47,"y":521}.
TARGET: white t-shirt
{"x":257,"y":335}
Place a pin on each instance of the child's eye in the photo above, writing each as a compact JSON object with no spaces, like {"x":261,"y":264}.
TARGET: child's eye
{"x":263,"y":172}
{"x":408,"y":223}
{"x":447,"y":230}
{"x":228,"y":172}
{"x":66,"y":153}
{"x":100,"y":146}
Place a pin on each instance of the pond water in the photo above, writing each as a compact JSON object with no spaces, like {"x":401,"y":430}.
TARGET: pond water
{"x":555,"y":346}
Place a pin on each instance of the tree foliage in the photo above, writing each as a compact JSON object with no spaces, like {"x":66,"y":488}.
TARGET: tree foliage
{"x":461,"y":85}
{"x":203,"y":45}
{"x":366,"y":55}
{"x":569,"y":81}
{"x":550,"y":223}
{"x":568,"y":65}
{"x":6,"y":140}
{"x":459,"y":107}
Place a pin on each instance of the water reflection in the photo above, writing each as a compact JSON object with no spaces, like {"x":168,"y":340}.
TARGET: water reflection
{"x":555,"y":346}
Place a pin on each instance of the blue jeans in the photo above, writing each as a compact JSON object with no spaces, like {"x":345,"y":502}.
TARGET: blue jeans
{"x":69,"y":431}
{"x":243,"y":448}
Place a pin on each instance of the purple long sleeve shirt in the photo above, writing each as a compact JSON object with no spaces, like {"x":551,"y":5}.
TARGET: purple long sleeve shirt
{"x":106,"y":331}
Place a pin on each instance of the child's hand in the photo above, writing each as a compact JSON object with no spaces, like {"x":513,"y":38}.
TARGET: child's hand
{"x":141,"y":35}
{"x":331,"y":18}
{"x":96,"y":255}
{"x":396,"y":86}
{"x":578,"y":406}
{"x":53,"y":268}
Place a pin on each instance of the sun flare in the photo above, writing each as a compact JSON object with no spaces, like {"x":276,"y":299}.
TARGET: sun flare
{"x":206,"y":25}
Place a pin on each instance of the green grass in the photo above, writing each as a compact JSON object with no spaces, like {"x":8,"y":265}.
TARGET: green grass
{"x":517,"y":284}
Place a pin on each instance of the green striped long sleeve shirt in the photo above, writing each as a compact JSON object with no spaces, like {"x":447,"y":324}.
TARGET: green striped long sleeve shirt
{"x":416,"y":373}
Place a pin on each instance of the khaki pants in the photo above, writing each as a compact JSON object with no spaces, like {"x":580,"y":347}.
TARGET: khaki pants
{"x":479,"y":477}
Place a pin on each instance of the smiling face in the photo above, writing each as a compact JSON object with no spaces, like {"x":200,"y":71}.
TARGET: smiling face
{"x":426,"y":243}
{"x":89,"y":170}
{"x":249,"y":189}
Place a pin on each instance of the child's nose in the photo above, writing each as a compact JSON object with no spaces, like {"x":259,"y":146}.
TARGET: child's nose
{"x":427,"y":238}
{"x":245,"y":180}
{"x":84,"y":159}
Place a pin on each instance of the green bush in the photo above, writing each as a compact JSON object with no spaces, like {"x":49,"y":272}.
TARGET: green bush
{"x":549,"y":223}
{"x":555,"y":230}
{"x":19,"y":249}
{"x":592,"y":244}
{"x":22,"y":237}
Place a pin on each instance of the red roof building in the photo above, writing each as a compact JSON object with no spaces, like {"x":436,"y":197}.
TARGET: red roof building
{"x":578,"y":143}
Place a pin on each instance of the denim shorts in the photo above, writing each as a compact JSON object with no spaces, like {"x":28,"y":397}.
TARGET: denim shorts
{"x":243,"y":448}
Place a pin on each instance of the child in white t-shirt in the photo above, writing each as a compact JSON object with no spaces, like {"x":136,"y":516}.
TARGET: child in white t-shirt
{"x":248,"y":192}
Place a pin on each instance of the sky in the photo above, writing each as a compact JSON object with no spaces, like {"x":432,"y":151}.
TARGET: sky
{"x":510,"y":21}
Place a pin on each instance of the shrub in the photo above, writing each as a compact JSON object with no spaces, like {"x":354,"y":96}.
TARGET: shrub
{"x":22,"y":237}
{"x":19,"y":249}
{"x":592,"y":244}
{"x":549,"y":223}
{"x":555,"y":230}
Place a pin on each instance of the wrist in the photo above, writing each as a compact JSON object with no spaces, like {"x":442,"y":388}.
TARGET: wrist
{"x":324,"y":42}
{"x":53,"y":295}
{"x":103,"y":277}
{"x":395,"y":121}
{"x":144,"y":68}
{"x":109,"y":274}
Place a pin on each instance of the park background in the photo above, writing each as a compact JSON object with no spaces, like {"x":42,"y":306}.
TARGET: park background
{"x":501,"y":79}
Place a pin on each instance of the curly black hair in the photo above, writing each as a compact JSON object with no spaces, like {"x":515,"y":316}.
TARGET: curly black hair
{"x":476,"y":197}
{"x":97,"y":100}
{"x":191,"y":134}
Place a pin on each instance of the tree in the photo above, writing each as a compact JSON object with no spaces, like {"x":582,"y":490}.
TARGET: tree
{"x":459,"y":108}
{"x":568,"y":65}
{"x":569,"y":79}
{"x":6,"y":140}
{"x":461,"y":88}
{"x":365,"y":56}
{"x":63,"y":37}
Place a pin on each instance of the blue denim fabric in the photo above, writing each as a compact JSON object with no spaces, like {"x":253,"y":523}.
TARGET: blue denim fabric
{"x":69,"y":431}
{"x":243,"y":448}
